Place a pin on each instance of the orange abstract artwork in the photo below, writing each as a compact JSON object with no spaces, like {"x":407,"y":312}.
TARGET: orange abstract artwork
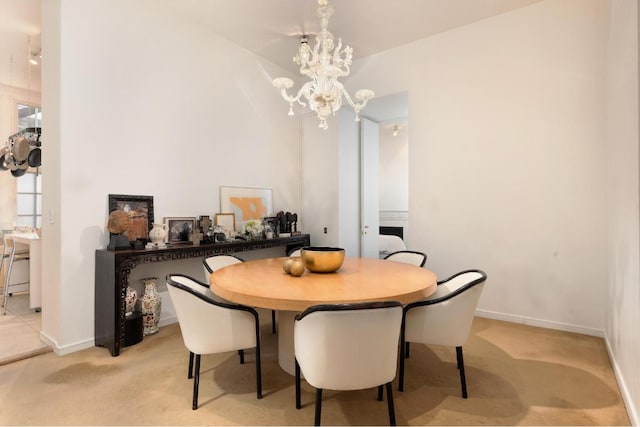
{"x":246,"y":203}
{"x":249,"y":207}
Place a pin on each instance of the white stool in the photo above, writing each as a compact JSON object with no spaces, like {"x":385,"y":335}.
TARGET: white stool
{"x":14,"y":252}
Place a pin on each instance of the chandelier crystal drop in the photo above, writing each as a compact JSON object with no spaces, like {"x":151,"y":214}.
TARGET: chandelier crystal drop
{"x":323,"y":64}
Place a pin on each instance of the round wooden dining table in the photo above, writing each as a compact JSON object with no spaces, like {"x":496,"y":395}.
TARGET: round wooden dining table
{"x":263,"y":283}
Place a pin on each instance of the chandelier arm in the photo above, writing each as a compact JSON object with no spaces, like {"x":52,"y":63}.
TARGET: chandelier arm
{"x":348,"y":98}
{"x":345,"y":72}
{"x":357,"y":107}
{"x":304,"y":90}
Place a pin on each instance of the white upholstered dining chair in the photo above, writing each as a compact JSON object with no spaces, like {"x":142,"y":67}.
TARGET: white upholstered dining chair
{"x":216,"y":262}
{"x":444,"y":318}
{"x":209,"y":326}
{"x":348,"y":347}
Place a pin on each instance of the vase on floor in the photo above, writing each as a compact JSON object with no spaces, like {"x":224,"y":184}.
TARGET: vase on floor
{"x":151,"y":303}
{"x":130,"y":301}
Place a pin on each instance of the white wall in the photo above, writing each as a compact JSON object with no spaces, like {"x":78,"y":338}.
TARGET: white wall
{"x":349,"y":187}
{"x":331,"y":184}
{"x":506,"y":167}
{"x":512,"y":168}
{"x":394,"y":171}
{"x":623,"y":189}
{"x":140,"y":101}
{"x":394,"y":177}
{"x":320,"y":180}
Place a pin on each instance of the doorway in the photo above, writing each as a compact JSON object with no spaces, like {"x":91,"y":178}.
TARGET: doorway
{"x":391,"y":116}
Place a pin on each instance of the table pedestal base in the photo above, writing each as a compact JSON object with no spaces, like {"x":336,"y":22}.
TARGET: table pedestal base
{"x":286,"y":350}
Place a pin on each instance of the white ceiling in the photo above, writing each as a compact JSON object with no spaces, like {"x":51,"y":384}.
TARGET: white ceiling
{"x":272,"y":28}
{"x":19,"y":29}
{"x":269,"y":28}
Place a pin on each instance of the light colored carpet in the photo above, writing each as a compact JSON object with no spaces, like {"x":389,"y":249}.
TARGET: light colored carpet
{"x":517,"y":375}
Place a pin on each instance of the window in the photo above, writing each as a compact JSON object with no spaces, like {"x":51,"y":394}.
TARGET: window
{"x":29,"y":185}
{"x":29,"y":200}
{"x":29,"y":116}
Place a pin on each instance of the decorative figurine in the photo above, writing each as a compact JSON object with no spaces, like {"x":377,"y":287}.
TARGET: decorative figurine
{"x":119,"y":222}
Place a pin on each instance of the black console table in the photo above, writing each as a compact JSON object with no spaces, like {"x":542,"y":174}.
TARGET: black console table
{"x":113,"y":269}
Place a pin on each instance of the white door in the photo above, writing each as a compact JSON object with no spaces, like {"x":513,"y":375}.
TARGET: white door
{"x":369,"y":192}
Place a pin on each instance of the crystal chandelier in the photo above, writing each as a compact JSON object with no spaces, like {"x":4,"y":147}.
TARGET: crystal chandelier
{"x":323,"y":65}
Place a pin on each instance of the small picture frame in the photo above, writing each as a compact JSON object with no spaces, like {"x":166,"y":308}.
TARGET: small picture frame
{"x":179,"y":228}
{"x":226,"y":220}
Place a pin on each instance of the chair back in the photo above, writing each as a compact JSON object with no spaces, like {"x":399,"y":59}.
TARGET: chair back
{"x":6,"y":250}
{"x":295,"y":252}
{"x":3,"y":233}
{"x":210,"y":326}
{"x":194,"y":285}
{"x":445,"y":317}
{"x":348,"y":346}
{"x":408,"y":257}
{"x":8,"y":245}
{"x":216,"y":262}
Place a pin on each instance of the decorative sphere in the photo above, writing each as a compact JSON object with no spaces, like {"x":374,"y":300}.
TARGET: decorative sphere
{"x":297,"y":268}
{"x":286,"y":265}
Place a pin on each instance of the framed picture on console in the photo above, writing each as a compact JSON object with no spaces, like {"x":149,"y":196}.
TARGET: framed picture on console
{"x":139,"y":208}
{"x":226,"y":220}
{"x":179,"y":228}
{"x":246,"y":203}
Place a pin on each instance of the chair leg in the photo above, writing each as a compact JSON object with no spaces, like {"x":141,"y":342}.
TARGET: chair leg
{"x":5,"y":296}
{"x":190,"y":373}
{"x":196,"y":383}
{"x":401,"y":362}
{"x":241,"y":354}
{"x":5,"y":288}
{"x":258,"y":372}
{"x":406,"y":350}
{"x":318,"y":406}
{"x":7,"y":281}
{"x":298,"y":399}
{"x":273,"y":321}
{"x":463,"y":380}
{"x":258,"y":359}
{"x":392,"y":411}
{"x":380,"y":393}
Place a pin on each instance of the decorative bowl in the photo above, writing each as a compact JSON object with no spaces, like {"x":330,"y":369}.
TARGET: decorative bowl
{"x":322,"y":259}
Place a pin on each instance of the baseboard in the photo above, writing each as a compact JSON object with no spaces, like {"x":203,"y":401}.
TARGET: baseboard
{"x":82,"y":345}
{"x":540,"y":323}
{"x":26,"y":355}
{"x":67,"y":349}
{"x":167,"y":321}
{"x":632,"y":411}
